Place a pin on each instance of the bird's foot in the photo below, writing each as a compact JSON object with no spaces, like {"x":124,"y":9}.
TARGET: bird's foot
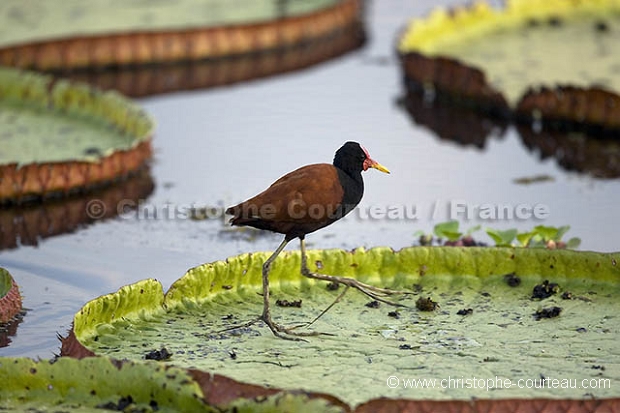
{"x":376,"y":293}
{"x":373,"y":292}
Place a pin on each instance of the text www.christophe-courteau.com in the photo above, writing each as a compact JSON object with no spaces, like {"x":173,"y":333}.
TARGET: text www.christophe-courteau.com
{"x":461,"y":382}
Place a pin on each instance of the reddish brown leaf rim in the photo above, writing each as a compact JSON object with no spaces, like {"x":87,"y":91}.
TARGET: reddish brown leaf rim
{"x":20,"y":183}
{"x":11,"y":303}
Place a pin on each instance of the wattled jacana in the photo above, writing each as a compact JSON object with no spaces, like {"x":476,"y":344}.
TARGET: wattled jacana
{"x":302,"y":202}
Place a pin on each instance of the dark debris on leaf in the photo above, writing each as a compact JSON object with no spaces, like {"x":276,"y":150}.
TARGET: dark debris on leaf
{"x":159,"y":355}
{"x":333,"y":286}
{"x":287,"y":303}
{"x":545,"y":290}
{"x":601,"y":26}
{"x":465,"y":311}
{"x":426,"y":304}
{"x":550,"y":312}
{"x":405,"y":347}
{"x":394,"y":314}
{"x":373,"y":304}
{"x":466,"y":241}
{"x":512,"y":279}
{"x":122,"y":404}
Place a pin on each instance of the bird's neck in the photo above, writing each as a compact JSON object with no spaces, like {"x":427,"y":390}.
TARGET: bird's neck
{"x":353,"y":187}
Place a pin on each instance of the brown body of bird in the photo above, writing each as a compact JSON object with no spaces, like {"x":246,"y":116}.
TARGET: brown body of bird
{"x":302,"y":202}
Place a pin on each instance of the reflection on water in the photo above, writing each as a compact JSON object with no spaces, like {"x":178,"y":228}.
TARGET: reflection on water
{"x":451,"y":122}
{"x":8,"y":330}
{"x":146,"y":80}
{"x":581,"y":152}
{"x":26,"y":225}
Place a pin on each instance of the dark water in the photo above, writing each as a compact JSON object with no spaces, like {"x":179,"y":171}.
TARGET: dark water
{"x":219,"y":146}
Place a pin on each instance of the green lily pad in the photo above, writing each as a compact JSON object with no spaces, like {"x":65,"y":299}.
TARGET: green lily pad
{"x":83,"y":123}
{"x":10,"y":298}
{"x":24,"y":22}
{"x":530,"y":43}
{"x":73,"y":34}
{"x":59,"y":136}
{"x":501,"y":337}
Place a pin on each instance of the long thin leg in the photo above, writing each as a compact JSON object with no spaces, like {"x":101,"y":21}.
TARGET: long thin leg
{"x":266,"y":316}
{"x":371,"y":291}
{"x":336,"y":301}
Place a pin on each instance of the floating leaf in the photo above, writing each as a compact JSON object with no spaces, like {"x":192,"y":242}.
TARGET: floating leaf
{"x":196,"y":319}
{"x":556,"y":60}
{"x":59,"y":136}
{"x":183,"y":30}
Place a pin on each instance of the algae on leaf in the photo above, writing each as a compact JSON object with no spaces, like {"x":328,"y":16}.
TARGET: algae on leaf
{"x":367,"y":344}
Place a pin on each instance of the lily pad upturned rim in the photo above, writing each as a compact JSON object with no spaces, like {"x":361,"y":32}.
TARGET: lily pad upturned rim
{"x":593,"y":109}
{"x":137,"y":48}
{"x":147,"y":297}
{"x":36,"y":180}
{"x":10,"y":298}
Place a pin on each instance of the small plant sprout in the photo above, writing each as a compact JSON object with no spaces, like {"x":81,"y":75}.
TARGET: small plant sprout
{"x":541,"y":236}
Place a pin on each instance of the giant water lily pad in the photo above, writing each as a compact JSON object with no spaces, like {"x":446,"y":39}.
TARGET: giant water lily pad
{"x":552,"y":59}
{"x":74,"y":34}
{"x":500,"y":337}
{"x":58,"y":136}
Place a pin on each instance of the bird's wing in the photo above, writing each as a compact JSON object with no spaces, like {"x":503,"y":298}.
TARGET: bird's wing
{"x":309,"y":194}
